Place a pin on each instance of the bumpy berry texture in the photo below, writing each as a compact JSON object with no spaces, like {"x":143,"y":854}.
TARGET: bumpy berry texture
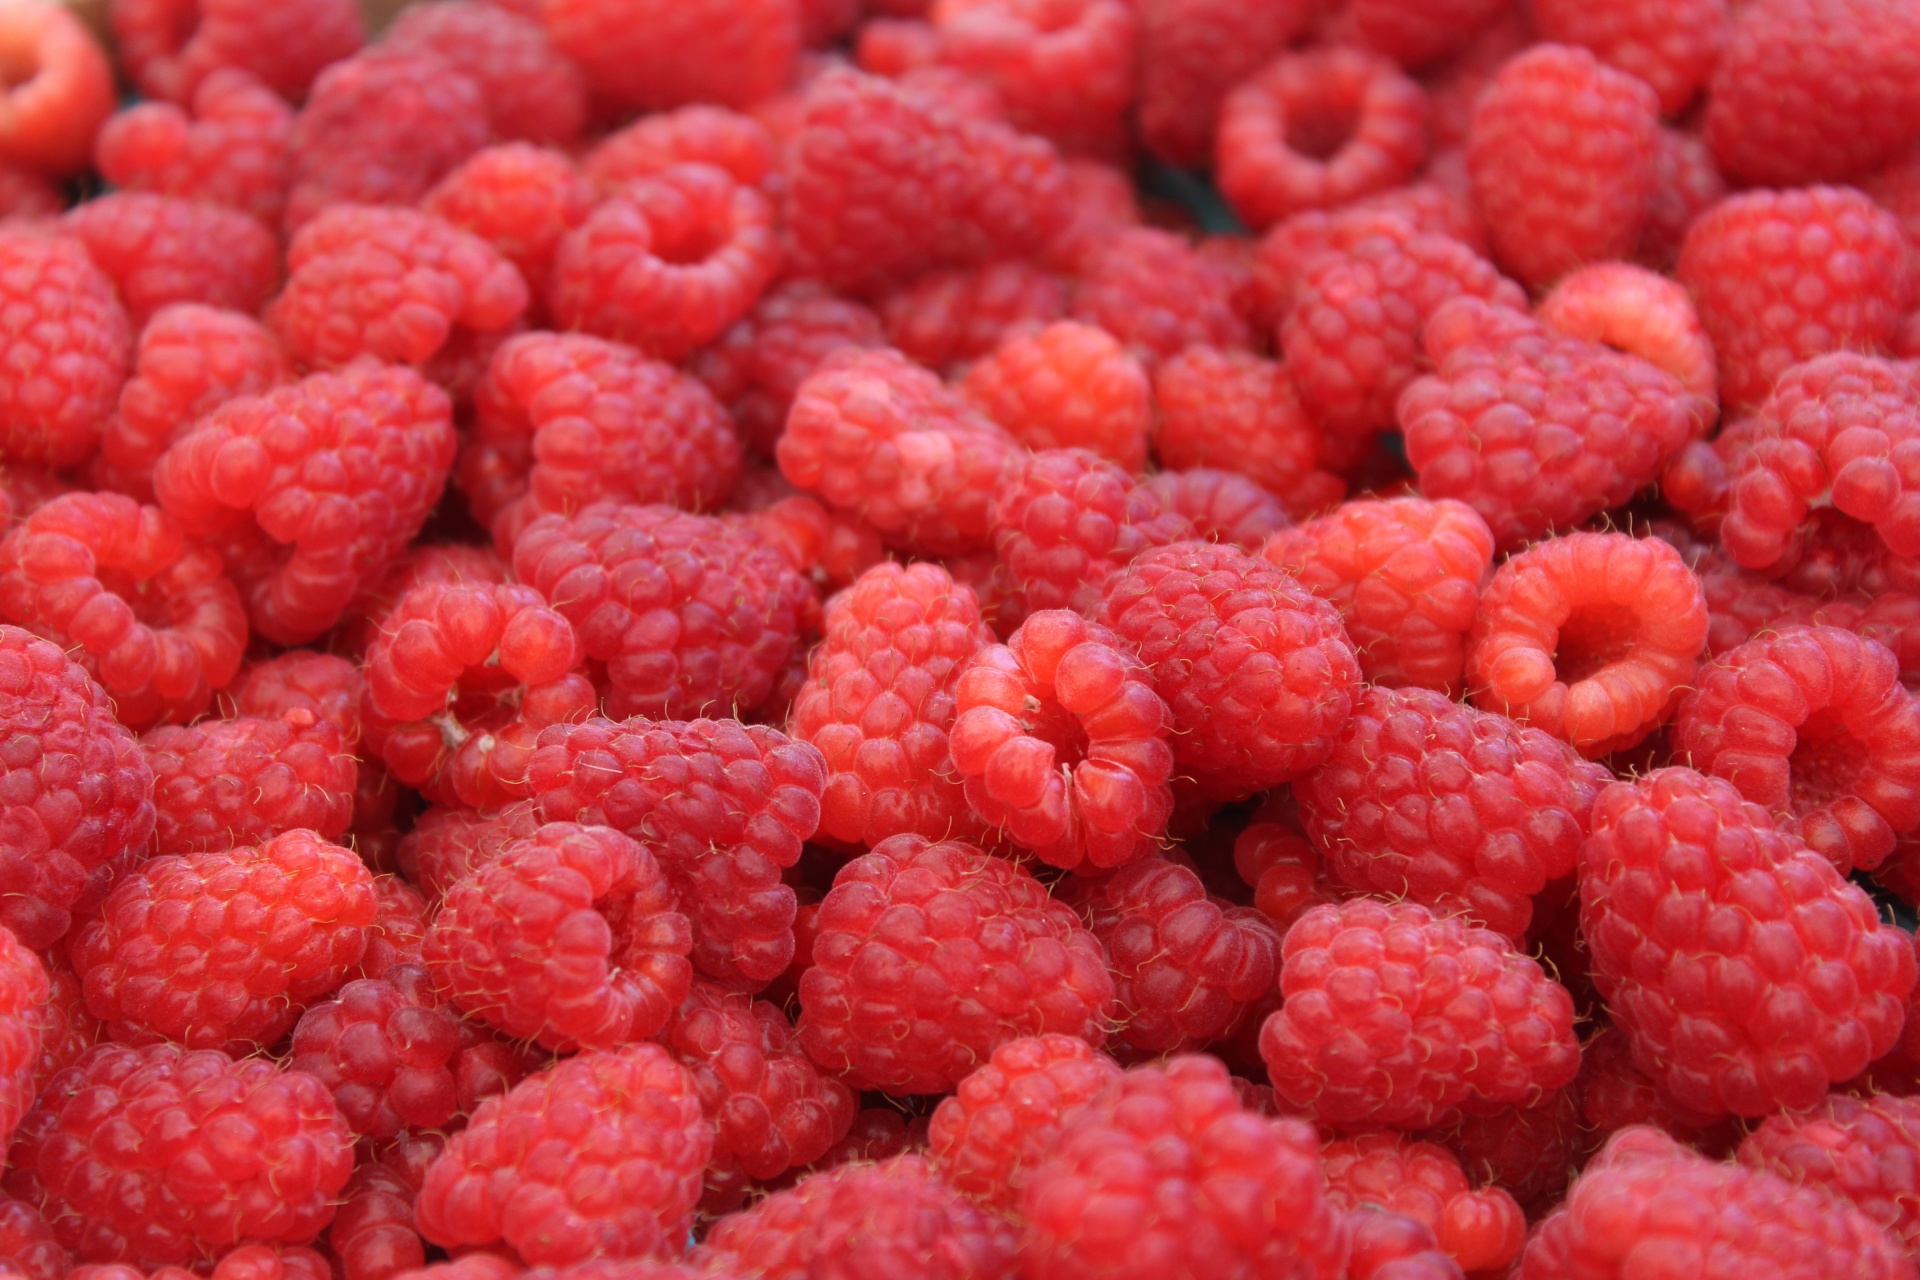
{"x":1003,"y":961}
{"x":1459,"y":810}
{"x":1239,"y":412}
{"x":163,"y":249}
{"x":945,"y":319}
{"x":372,"y":1233}
{"x":1481,"y":1230}
{"x":1067,"y":386}
{"x":1157,"y":293}
{"x":447,"y":842}
{"x":631,"y":1142}
{"x":695,"y":134}
{"x":71,"y":337}
{"x":1813,"y":725}
{"x":1224,"y":506}
{"x":1685,"y":184}
{"x":231,"y":150}
{"x":1063,"y":70}
{"x":100,"y":1154}
{"x":78,"y":792}
{"x":28,"y":1245}
{"x":275,"y":927}
{"x":519,"y":198}
{"x":1258,"y":673}
{"x":1860,"y":1151}
{"x":1672,"y":47}
{"x":1718,"y":1023}
{"x":532,"y":93}
{"x":1063,"y":745}
{"x":1166,"y":1173}
{"x":1638,"y":311}
{"x":64,"y":89}
{"x":170,"y":48}
{"x":654,"y":54}
{"x":221,"y":783}
{"x":24,"y":990}
{"x":1192,"y":53}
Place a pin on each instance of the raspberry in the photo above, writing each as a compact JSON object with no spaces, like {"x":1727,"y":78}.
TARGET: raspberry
{"x":1779,"y":276}
{"x":1416,"y":32}
{"x":1391,"y":1246}
{"x":689,"y":613}
{"x":1859,"y":1151}
{"x":446,"y":844}
{"x":1281,"y":256}
{"x":1273,"y":857}
{"x":147,"y":612}
{"x":232,"y":149}
{"x":1152,"y":290}
{"x":1613,"y":1093}
{"x":1259,"y":674}
{"x":325,"y":687}
{"x":520,"y":199}
{"x":319,"y":485}
{"x":1352,"y":338}
{"x":23,"y":991}
{"x":1481,"y":1230}
{"x":460,"y":681}
{"x":1813,"y":725}
{"x":600,"y":1154}
{"x":1667,"y":858}
{"x":563,"y":420}
{"x":78,"y":791}
{"x":656,"y":54}
{"x":1192,"y":53}
{"x":1672,"y":47}
{"x":399,"y":926}
{"x":171,"y":47}
{"x":1005,"y":1115}
{"x":71,"y":345}
{"x":874,"y":434}
{"x":1166,"y":1174}
{"x":1646,"y":1196}
{"x":1064,"y":68}
{"x":755,"y":367}
{"x":372,"y":1234}
{"x":419,"y":566}
{"x":1640,"y":312}
{"x":162,"y":249}
{"x":190,"y":360}
{"x":1239,"y":412}
{"x":1067,"y":386}
{"x":1065,"y":521}
{"x":1534,"y":430}
{"x":59,"y":90}
{"x":67,"y":1028}
{"x":944,"y":319}
{"x":381,"y":128}
{"x":223,"y":783}
{"x":531,"y":92}
{"x":1561,"y":153}
{"x":1896,"y":188}
{"x":1318,"y":129}
{"x":1003,"y":960}
{"x":695,"y":134}
{"x":27,"y":1243}
{"x":1224,"y":506}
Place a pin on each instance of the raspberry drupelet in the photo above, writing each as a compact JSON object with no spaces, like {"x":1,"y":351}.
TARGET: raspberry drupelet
{"x":1405,"y":574}
{"x":1591,"y":637}
{"x":28,"y":1245}
{"x":1224,"y":506}
{"x":1746,"y":974}
{"x":61,"y":88}
{"x":1685,"y":185}
{"x":656,"y":54}
{"x":24,"y":991}
{"x":945,"y":319}
{"x":598,"y":1155}
{"x":170,"y":48}
{"x":1672,"y":47}
{"x":221,"y":783}
{"x":446,"y":843}
{"x":1813,"y":725}
{"x":1157,"y":293}
{"x":1165,"y":1174}
{"x":1391,"y":1246}
{"x":519,"y":198}
{"x":1067,"y":386}
{"x":1638,"y":311}
{"x":695,"y":134}
{"x":72,"y":344}
{"x":1236,"y":411}
{"x":372,"y":1234}
{"x":231,"y":150}
{"x":1062,"y":68}
{"x":1192,"y":54}
{"x":78,"y":791}
{"x":1612,"y":1093}
{"x":532,"y":93}
{"x":165,"y":249}
{"x":422,"y":564}
{"x":1273,"y":857}
{"x":1482,"y":1230}
{"x":1258,"y":673}
{"x":1416,"y":33}
{"x":1860,"y":1151}
{"x":931,"y":955}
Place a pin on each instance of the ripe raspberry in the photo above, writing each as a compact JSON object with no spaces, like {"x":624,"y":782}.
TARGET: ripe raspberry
{"x":223,"y":783}
{"x":896,"y":1002}
{"x":1561,"y":153}
{"x":1646,"y":1196}
{"x":67,"y":1027}
{"x":70,"y":343}
{"x":446,"y":844}
{"x":833,"y":548}
{"x":532,"y":93}
{"x":1259,"y":674}
{"x":1640,"y":312}
{"x":695,"y":134}
{"x":1224,"y":506}
{"x":1166,"y":1174}
{"x":381,"y":128}
{"x":1239,"y":412}
{"x":327,"y":687}
{"x":1667,"y":857}
{"x":755,"y":367}
{"x":60,"y":89}
{"x":1685,"y":185}
{"x":460,"y":681}
{"x":170,"y":48}
{"x":1392,"y":1246}
{"x":1896,"y":188}
{"x":1531,"y":428}
{"x":1779,"y":276}
{"x":147,"y":612}
{"x":1481,"y":1230}
{"x":520,"y":199}
{"x":655,"y":54}
{"x":1192,"y":53}
{"x":79,"y":794}
{"x":163,"y":249}
{"x":419,"y":566}
{"x":1813,"y":725}
{"x":372,"y":1234}
{"x":26,"y":193}
{"x":944,"y":319}
{"x":317,"y":486}
{"x":1273,"y":857}
{"x":1613,"y":1093}
{"x":563,"y":420}
{"x":1405,"y":574}
{"x":1152,"y":290}
{"x":23,"y":991}
{"x":28,"y":1245}
{"x":1859,"y":1151}
{"x":398,"y":929}
{"x":1416,"y":32}
{"x":232,"y":149}
{"x":1282,"y":255}
{"x":1064,"y":68}
{"x":1671,"y":47}
{"x":1067,"y":386}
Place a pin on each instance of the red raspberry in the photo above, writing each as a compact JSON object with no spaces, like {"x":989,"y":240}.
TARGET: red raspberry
{"x":1481,"y":1230}
{"x":519,"y":198}
{"x":1743,"y":606}
{"x":1531,"y":428}
{"x":232,"y":149}
{"x":1282,"y":255}
{"x":373,"y":1235}
{"x":563,"y":420}
{"x":1456,"y":809}
{"x":1779,"y":276}
{"x":1672,"y":47}
{"x":421,"y":565}
{"x":1646,"y":1196}
{"x":1067,"y":386}
{"x":102,"y":1154}
{"x":446,"y":844}
{"x":755,"y":367}
{"x":1530,"y":1151}
{"x":1667,"y":857}
{"x":317,"y":486}
{"x":1405,"y":574}
{"x":1640,"y":312}
{"x":59,"y":91}
{"x":67,"y":1027}
{"x":399,"y":927}
{"x":598,"y":1155}
{"x":1318,"y":129}
{"x":1192,"y":53}
{"x":1064,"y":68}
{"x":1273,"y":857}
{"x":1591,"y":637}
{"x":1685,"y":185}
{"x":1613,"y":1093}
{"x":28,"y":1245}
{"x":1896,"y":188}
{"x":71,"y":345}
{"x":26,"y":193}
{"x":326,"y":687}
{"x":163,"y":249}
{"x":1005,"y":1116}
{"x":1861,"y":1152}
{"x":223,"y":783}
{"x":381,"y":128}
{"x":944,"y":319}
{"x":1562,"y":156}
{"x":23,"y":992}
{"x":1224,"y":506}
{"x":171,"y":47}
{"x":25,"y":488}
{"x":1156,"y":293}
{"x":1392,"y":1246}
{"x":483,"y":1265}
{"x":1259,"y":674}
{"x":1814,"y":90}
{"x":883,"y":183}
{"x":656,"y":54}
{"x":930,"y":956}
{"x":1166,"y":1174}
{"x":147,"y":612}
{"x":1415,"y":32}
{"x":1239,"y":412}
{"x":695,"y":134}
{"x":531,"y":92}
{"x":78,"y":792}
{"x":1813,"y":725}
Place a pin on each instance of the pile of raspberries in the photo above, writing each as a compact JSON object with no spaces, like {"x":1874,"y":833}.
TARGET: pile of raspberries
{"x":960,"y":640}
